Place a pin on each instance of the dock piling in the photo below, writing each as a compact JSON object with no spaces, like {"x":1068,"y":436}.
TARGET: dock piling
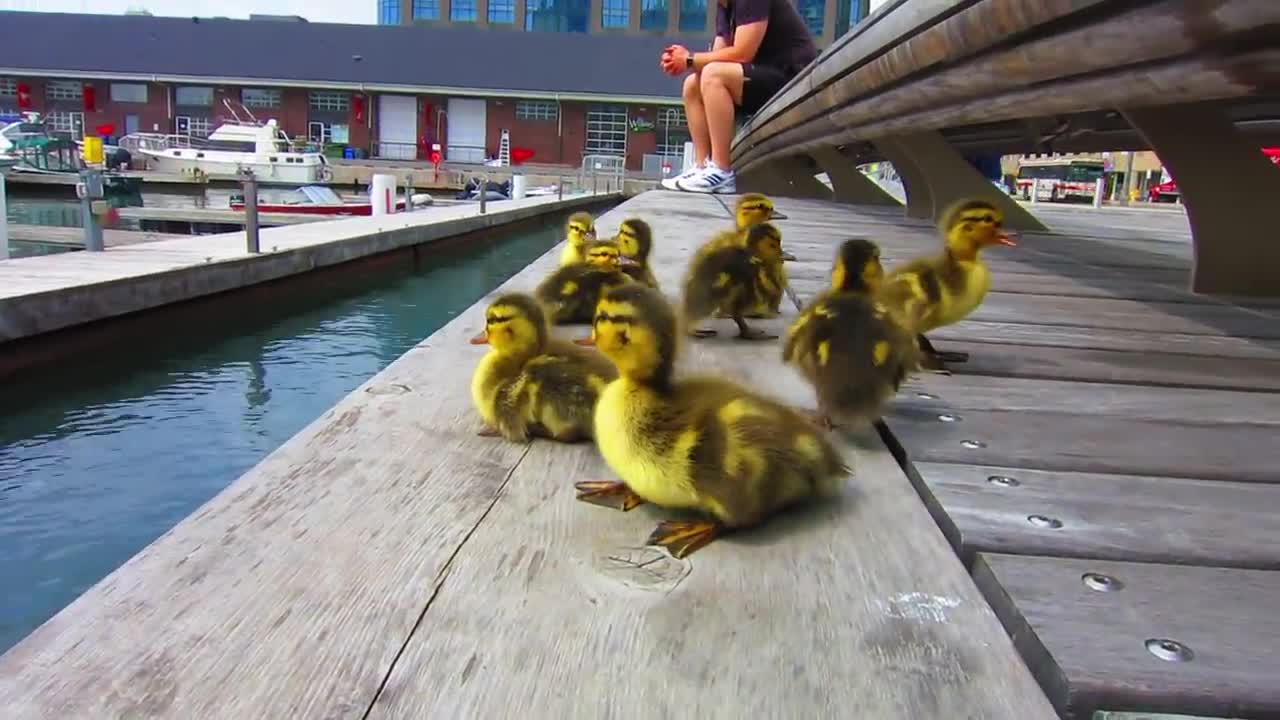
{"x":483,"y":190}
{"x":4,"y":222}
{"x":250,"y":184}
{"x":560,"y":188}
{"x":91,"y":195}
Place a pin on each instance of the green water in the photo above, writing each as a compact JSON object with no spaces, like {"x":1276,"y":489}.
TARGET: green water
{"x":100,"y":456}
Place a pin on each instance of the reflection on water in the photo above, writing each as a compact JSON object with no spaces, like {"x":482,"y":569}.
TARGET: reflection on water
{"x":100,"y":457}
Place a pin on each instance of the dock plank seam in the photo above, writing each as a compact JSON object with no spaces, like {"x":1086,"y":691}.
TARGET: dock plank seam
{"x":440,"y":581}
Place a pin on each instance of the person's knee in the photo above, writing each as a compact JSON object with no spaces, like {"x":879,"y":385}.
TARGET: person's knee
{"x":719,"y":73}
{"x":692,"y":87}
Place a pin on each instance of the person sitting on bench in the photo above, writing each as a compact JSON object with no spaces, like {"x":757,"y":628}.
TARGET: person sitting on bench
{"x":759,"y":46}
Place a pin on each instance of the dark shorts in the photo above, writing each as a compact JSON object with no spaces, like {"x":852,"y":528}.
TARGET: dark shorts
{"x":759,"y":83}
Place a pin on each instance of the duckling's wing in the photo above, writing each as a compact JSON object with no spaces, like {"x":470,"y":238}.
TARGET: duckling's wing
{"x":863,"y":355}
{"x":723,"y":279}
{"x":565,"y":390}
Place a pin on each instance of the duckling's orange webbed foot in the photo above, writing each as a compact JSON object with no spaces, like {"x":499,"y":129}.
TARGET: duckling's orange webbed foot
{"x":746,"y":332}
{"x":683,"y":537}
{"x":703,"y":333}
{"x":487,"y":431}
{"x":608,"y":494}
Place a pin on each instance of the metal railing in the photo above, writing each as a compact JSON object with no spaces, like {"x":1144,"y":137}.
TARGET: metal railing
{"x":602,"y":173}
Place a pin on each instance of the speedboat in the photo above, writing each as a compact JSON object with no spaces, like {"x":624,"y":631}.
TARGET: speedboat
{"x":320,"y":200}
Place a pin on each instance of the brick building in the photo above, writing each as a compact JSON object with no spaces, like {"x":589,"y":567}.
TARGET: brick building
{"x":389,"y":92}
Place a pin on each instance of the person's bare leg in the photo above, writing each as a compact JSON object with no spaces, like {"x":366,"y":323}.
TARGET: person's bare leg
{"x":697,"y":117}
{"x":721,"y":93}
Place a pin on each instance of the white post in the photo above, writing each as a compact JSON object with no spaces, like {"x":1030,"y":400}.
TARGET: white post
{"x":4,"y":222}
{"x":1035,"y":190}
{"x":382,"y":194}
{"x":1098,"y":192}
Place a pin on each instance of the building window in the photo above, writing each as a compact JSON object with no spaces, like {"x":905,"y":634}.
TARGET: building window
{"x":69,"y":123}
{"x":693,"y":15}
{"x":850,"y":13}
{"x":193,"y":96}
{"x":463,"y":11}
{"x":502,"y":12}
{"x":536,"y":110}
{"x":814,"y":13}
{"x":388,"y":12}
{"x":606,"y":130}
{"x":653,"y":15}
{"x":8,"y":87}
{"x":615,"y":13}
{"x":64,"y":90}
{"x":260,"y":97}
{"x":332,"y":101}
{"x":426,"y":9}
{"x":129,"y":93}
{"x":557,"y":15}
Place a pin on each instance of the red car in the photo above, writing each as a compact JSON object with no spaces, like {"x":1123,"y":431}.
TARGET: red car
{"x":1168,"y":191}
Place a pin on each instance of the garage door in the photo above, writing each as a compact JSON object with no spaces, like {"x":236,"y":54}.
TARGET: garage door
{"x":397,"y":127}
{"x":466,"y":131}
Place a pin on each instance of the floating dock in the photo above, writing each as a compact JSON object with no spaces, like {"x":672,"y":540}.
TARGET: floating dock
{"x":1096,"y":481}
{"x":74,"y":237}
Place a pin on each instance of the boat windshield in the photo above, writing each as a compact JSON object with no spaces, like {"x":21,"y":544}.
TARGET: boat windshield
{"x":22,"y":129}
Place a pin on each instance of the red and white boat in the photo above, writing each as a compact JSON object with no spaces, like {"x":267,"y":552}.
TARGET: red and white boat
{"x":320,"y":200}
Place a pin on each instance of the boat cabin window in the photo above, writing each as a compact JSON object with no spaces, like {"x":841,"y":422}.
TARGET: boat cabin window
{"x":274,"y":159}
{"x":231,"y":145}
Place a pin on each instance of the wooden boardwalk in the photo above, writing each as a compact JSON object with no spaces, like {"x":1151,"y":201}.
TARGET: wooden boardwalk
{"x":388,"y":563}
{"x":74,"y":237}
{"x":1107,"y":422}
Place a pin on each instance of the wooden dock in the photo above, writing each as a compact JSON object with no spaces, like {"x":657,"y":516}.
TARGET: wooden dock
{"x":225,"y":216}
{"x":388,"y":563}
{"x":74,"y":237}
{"x":1108,"y":423}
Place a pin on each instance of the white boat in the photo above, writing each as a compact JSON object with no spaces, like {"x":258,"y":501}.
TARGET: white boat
{"x":238,"y":145}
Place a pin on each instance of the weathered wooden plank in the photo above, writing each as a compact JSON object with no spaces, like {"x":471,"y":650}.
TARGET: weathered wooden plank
{"x":1053,"y":441}
{"x":1106,"y":366}
{"x":1089,"y":648}
{"x":1127,"y":315}
{"x":1067,"y":336}
{"x":1168,"y":520}
{"x":575,"y":591}
{"x":961,"y":394}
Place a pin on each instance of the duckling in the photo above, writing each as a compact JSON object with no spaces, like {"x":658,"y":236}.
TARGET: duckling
{"x":579,"y":232}
{"x":950,"y":285}
{"x":751,"y":209}
{"x":734,"y":280}
{"x":570,"y":293}
{"x":696,"y":443}
{"x":854,"y":350}
{"x":635,"y":241}
{"x":530,"y":384}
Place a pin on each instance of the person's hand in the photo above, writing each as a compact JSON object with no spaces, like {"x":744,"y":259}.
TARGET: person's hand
{"x":674,"y":59}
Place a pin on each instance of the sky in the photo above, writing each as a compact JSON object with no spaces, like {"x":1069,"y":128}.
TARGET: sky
{"x":347,"y":11}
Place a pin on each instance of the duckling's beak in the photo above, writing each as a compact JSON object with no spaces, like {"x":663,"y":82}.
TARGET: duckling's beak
{"x":1004,"y":238}
{"x":587,"y":341}
{"x":627,"y":261}
{"x":775,"y":215}
{"x":788,"y":256}
{"x":481,"y":339}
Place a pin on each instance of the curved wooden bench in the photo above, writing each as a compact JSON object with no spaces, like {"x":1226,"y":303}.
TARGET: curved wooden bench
{"x":917,"y":67}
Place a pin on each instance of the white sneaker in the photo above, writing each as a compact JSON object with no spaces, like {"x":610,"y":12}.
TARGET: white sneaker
{"x":711,"y":180}
{"x":671,"y":182}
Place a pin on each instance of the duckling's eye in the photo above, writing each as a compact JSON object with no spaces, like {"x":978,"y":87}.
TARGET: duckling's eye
{"x":988,"y":218}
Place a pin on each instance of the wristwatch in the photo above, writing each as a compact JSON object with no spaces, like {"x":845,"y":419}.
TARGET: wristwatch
{"x":688,"y":61}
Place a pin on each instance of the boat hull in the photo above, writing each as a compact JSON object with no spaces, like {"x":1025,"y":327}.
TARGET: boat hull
{"x":316,"y":209}
{"x":308,"y":170}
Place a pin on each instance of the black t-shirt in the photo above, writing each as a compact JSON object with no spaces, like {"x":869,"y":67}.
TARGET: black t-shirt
{"x":787,"y":44}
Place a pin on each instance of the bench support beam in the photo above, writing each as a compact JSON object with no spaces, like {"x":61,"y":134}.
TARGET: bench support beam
{"x":919,"y":197}
{"x":784,"y":177}
{"x":1229,"y":188}
{"x":850,"y":186}
{"x":951,"y":178}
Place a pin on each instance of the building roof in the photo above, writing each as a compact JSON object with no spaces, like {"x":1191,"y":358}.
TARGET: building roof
{"x":413,"y":58}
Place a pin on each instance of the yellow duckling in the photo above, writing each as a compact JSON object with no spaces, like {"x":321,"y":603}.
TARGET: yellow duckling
{"x":950,"y":285}
{"x":697,"y":443}
{"x":855,"y":351}
{"x":579,"y":232}
{"x":751,"y":209}
{"x":570,"y":293}
{"x":530,"y":384}
{"x":635,"y":242}
{"x":734,"y":280}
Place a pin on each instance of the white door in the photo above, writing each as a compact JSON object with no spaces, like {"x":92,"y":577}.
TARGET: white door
{"x":397,"y":127}
{"x":465,"y":142}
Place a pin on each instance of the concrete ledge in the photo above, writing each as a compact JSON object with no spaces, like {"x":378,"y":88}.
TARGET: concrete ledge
{"x":42,"y":294}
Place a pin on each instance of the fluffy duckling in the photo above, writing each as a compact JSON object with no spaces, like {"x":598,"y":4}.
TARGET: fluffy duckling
{"x":579,"y":232}
{"x":948,"y":286}
{"x":735,"y":280}
{"x":570,"y":293}
{"x":751,"y":209}
{"x":855,"y":351}
{"x":530,"y":384}
{"x":635,"y":242}
{"x":696,"y":443}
